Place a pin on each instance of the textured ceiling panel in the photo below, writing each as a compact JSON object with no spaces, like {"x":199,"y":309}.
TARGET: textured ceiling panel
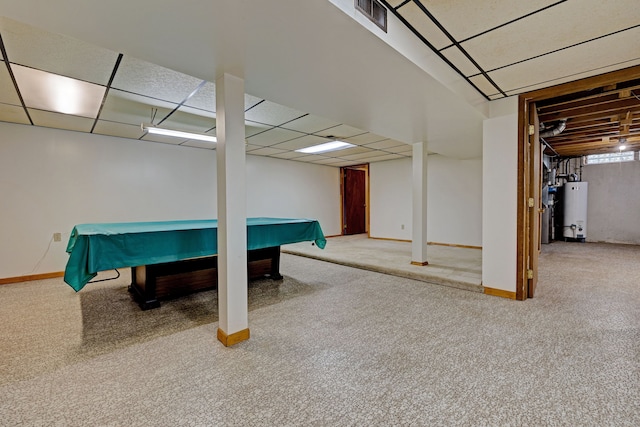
{"x":551,"y":69}
{"x":273,"y":136}
{"x":405,"y":149}
{"x":466,"y":18}
{"x":341,"y":131}
{"x":8,"y":94}
{"x":365,"y":138}
{"x":267,"y":151}
{"x":348,"y":152}
{"x":425,"y":26}
{"x":389,"y":157}
{"x":290,"y":155}
{"x":60,"y":121}
{"x":272,"y":114}
{"x":133,"y":109}
{"x":57,"y":54}
{"x":554,"y":28}
{"x":189,"y":123}
{"x":303,"y":142}
{"x":460,"y":61}
{"x":151,"y":80}
{"x":118,"y":129}
{"x":204,"y":98}
{"x":395,"y":3}
{"x":364,"y":156}
{"x":387,"y":143}
{"x":13,"y":114}
{"x":484,"y":85}
{"x":253,"y":128}
{"x":310,"y":124}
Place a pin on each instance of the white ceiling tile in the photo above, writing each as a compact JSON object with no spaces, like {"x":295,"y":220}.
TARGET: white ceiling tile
{"x":47,"y":91}
{"x":483,"y":84}
{"x":460,"y":61}
{"x":272,"y":114}
{"x":200,"y":144}
{"x":395,"y":3}
{"x":571,"y":64}
{"x":248,"y":147}
{"x":365,"y":138}
{"x":189,"y":123}
{"x":273,"y":136}
{"x":551,"y":29}
{"x":198,"y":112}
{"x":302,"y":142}
{"x":466,"y":18}
{"x":8,"y":94}
{"x":341,"y":132}
{"x":60,"y":121}
{"x":133,"y":109}
{"x":289,"y":155}
{"x":321,"y":160}
{"x":250,"y":101}
{"x":387,"y":143}
{"x":267,"y":151}
{"x":496,"y":96}
{"x":387,"y":157}
{"x":13,"y":114}
{"x":118,"y":129}
{"x":144,"y":78}
{"x":403,"y":149}
{"x":425,"y":26}
{"x":311,"y":124}
{"x":349,"y":151}
{"x":204,"y":98}
{"x":253,"y":128}
{"x":368,"y":155}
{"x":55,"y":53}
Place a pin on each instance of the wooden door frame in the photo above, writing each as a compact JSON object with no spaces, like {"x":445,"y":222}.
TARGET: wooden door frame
{"x":525,"y":101}
{"x":364,"y":167}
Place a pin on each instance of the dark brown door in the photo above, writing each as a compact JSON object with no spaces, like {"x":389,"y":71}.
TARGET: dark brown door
{"x":354,"y":201}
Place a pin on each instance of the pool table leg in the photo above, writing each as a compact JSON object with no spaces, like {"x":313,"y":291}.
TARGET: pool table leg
{"x":275,"y":264}
{"x":146,"y":297}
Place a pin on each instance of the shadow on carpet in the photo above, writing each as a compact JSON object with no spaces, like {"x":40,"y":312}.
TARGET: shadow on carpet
{"x":111,"y":319}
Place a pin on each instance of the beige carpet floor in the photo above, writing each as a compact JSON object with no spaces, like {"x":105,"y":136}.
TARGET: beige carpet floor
{"x":448,"y":265}
{"x":333,"y":345}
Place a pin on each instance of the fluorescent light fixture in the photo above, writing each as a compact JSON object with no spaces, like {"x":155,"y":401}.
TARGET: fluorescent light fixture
{"x":326,"y":147}
{"x":178,"y":134}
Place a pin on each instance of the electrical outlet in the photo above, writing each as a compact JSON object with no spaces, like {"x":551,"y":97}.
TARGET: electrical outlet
{"x":57,"y":237}
{"x":402,"y":227}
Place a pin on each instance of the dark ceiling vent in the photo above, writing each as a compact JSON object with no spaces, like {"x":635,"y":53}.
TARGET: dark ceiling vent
{"x":375,"y":11}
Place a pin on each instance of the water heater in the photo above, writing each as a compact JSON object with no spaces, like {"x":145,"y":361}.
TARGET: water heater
{"x":575,"y":211}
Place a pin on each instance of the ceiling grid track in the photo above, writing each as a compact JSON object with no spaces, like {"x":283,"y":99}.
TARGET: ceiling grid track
{"x":13,"y":79}
{"x":106,"y":92}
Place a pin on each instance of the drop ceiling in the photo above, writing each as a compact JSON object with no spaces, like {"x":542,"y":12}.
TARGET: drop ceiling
{"x":372,"y":96}
{"x":122,"y":92}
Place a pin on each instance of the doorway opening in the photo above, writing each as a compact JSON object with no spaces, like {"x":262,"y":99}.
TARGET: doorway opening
{"x":595,"y":114}
{"x":354,"y":192}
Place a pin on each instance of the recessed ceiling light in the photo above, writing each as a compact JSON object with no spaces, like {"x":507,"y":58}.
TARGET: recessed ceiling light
{"x":326,"y":147}
{"x":51,"y":92}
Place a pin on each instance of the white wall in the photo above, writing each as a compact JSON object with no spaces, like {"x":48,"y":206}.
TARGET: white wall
{"x":499,"y":203}
{"x":454,"y":200}
{"x":51,"y":180}
{"x":613,"y":209}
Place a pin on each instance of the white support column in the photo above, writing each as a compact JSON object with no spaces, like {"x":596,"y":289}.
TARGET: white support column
{"x":232,"y":211}
{"x":419,"y":218}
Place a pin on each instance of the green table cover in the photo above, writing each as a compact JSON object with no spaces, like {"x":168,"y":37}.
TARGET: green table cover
{"x":99,"y":247}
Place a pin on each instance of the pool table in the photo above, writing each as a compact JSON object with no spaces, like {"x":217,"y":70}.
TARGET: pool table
{"x":171,"y":258}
